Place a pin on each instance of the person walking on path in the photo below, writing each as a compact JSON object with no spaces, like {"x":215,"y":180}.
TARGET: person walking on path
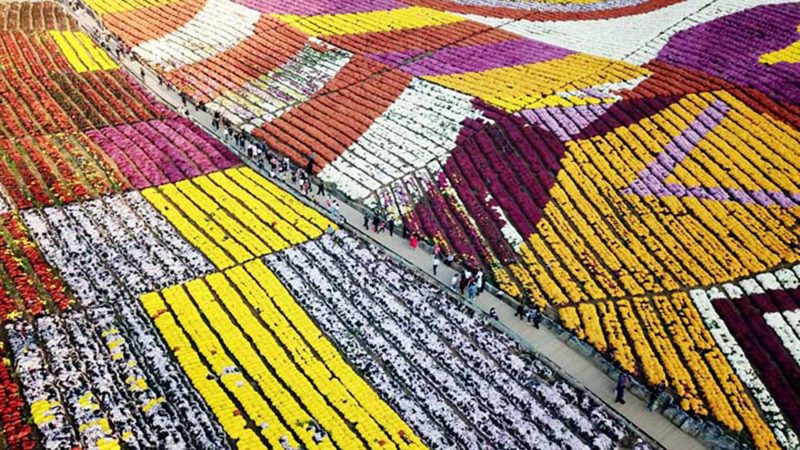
{"x":520,"y":312}
{"x":537,"y":318}
{"x":655,"y":395}
{"x":454,"y":281}
{"x":622,"y":381}
{"x":376,"y":221}
{"x":310,"y":164}
{"x":436,"y":263}
{"x":413,"y":242}
{"x":472,"y":291}
{"x":390,"y":226}
{"x":366,"y":220}
{"x":479,"y":281}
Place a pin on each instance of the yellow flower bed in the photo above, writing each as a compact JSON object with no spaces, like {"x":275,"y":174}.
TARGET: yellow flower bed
{"x":267,"y":354}
{"x":115,"y":6}
{"x":236,"y":215}
{"x":541,"y":84}
{"x":83,"y":55}
{"x":368,"y":22}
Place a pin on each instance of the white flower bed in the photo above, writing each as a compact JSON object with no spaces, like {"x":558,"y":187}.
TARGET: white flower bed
{"x":46,"y":408}
{"x":267,"y":97}
{"x":220,"y":25}
{"x":421,"y":126}
{"x":636,"y":38}
{"x":458,"y":372}
{"x":93,"y":245}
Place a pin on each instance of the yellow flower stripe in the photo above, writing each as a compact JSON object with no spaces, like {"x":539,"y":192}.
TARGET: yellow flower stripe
{"x":789,"y":54}
{"x":209,"y":388}
{"x":541,"y":84}
{"x":115,"y":6}
{"x":368,"y":22}
{"x":282,"y":300}
{"x":616,"y":337}
{"x":231,"y":217}
{"x":189,"y":231}
{"x":591,"y":326}
{"x":236,"y":215}
{"x":309,"y":221}
{"x":81,"y":53}
{"x":245,"y":319}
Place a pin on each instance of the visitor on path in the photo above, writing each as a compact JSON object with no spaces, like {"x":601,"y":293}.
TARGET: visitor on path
{"x":390,"y":226}
{"x":493,"y":313}
{"x":472,"y":291}
{"x":321,"y":188}
{"x":436,"y":263}
{"x":141,"y":73}
{"x":520,"y":312}
{"x":376,"y":222}
{"x":465,"y":279}
{"x":329,"y":230}
{"x":622,"y":381}
{"x":310,"y":163}
{"x":655,"y":395}
{"x":479,"y":281}
{"x":537,"y":318}
{"x":366,"y":220}
{"x":455,"y":280}
{"x":413,"y":242}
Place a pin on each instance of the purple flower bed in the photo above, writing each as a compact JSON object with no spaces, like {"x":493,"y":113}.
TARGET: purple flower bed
{"x":731,"y":48}
{"x":159,"y":152}
{"x":778,"y":370}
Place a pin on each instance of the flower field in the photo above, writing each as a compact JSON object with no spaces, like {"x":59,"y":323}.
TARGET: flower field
{"x":157,"y":294}
{"x":606,"y":160}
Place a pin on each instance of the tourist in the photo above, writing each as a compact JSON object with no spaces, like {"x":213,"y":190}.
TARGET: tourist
{"x":310,"y":163}
{"x":435,"y":262}
{"x":537,"y":318}
{"x":479,"y":281}
{"x":390,"y":225}
{"x":520,"y":312}
{"x":366,"y":220}
{"x":655,"y":394}
{"x":413,"y":242}
{"x":329,"y":230}
{"x":141,"y":73}
{"x":321,"y":188}
{"x":465,"y":279}
{"x":472,"y":291}
{"x":622,"y":380}
{"x":493,"y":313}
{"x":376,"y":221}
{"x":455,"y":280}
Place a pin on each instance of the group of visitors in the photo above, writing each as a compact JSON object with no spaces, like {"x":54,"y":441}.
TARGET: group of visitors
{"x":469,"y":282}
{"x":532,"y":315}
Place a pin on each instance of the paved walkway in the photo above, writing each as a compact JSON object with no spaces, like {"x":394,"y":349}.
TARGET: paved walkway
{"x":543,"y":341}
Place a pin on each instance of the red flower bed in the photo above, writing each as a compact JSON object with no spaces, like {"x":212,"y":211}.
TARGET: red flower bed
{"x":16,"y":431}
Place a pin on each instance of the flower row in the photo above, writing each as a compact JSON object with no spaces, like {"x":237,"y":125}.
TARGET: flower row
{"x":450,"y":375}
{"x":235,"y":215}
{"x":293,"y":395}
{"x":159,"y":152}
{"x":109,"y":251}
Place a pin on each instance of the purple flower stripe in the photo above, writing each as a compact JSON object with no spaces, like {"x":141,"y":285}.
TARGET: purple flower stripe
{"x":143,"y":173}
{"x":654,"y":176}
{"x":565,"y":123}
{"x":475,"y":58}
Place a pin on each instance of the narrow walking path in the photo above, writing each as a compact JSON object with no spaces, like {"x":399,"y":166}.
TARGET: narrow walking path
{"x":543,"y":341}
